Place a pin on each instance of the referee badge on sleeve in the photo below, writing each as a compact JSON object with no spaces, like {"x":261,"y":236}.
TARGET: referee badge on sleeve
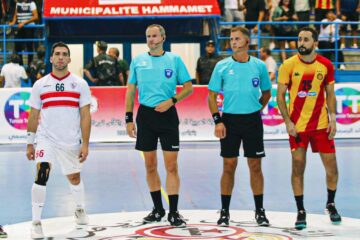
{"x":255,"y":82}
{"x":168,"y":73}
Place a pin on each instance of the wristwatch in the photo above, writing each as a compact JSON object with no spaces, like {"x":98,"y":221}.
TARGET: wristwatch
{"x":174,"y":100}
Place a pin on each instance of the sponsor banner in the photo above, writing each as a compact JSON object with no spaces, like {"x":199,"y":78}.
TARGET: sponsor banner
{"x":129,"y":8}
{"x":196,"y":124}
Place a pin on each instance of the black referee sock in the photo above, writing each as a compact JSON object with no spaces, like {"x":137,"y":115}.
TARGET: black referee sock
{"x":156,"y":198}
{"x":225,"y":201}
{"x":173,"y":201}
{"x":259,"y":201}
{"x":300,"y":202}
{"x":331,"y":196}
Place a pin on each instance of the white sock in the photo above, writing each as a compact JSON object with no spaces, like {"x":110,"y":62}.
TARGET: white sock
{"x":38,"y":194}
{"x":78,"y":193}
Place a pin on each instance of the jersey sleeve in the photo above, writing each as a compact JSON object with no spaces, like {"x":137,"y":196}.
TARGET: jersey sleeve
{"x":183,"y":74}
{"x":265,"y":82}
{"x":215,"y":83}
{"x":132,"y":75}
{"x":284,"y":74}
{"x":32,"y":6}
{"x":35,"y":100}
{"x":330,"y":78}
{"x":85,"y":94}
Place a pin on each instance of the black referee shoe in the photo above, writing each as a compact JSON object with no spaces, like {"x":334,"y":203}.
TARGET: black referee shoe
{"x":261,"y":218}
{"x":155,"y":216}
{"x":176,"y":220}
{"x":333,"y":213}
{"x":300,"y":223}
{"x":224,"y":218}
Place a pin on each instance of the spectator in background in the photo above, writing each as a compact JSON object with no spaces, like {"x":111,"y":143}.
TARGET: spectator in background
{"x":25,"y":14}
{"x":255,"y":12}
{"x":124,"y":66}
{"x":12,"y":73}
{"x":302,"y":10}
{"x":37,"y":68}
{"x":350,"y":10}
{"x":106,"y":71}
{"x":329,"y":36}
{"x":3,"y":234}
{"x":285,"y":13}
{"x":205,"y":64}
{"x":322,"y":7}
{"x":265,"y":55}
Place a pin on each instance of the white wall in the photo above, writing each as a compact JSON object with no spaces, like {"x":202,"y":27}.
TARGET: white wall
{"x":189,"y":53}
{"x":77,"y":59}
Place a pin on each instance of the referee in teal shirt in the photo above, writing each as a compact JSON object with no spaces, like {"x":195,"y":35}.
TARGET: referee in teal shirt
{"x":156,"y":74}
{"x":246,"y":87}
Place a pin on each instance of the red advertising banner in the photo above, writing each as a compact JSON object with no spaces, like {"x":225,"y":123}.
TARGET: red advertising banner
{"x":129,"y":8}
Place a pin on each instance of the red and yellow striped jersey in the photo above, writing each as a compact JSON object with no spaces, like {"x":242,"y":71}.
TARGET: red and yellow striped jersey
{"x":324,"y":4}
{"x":306,"y":85}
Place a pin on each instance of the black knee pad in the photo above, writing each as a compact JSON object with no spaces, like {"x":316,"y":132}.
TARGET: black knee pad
{"x":43,"y":174}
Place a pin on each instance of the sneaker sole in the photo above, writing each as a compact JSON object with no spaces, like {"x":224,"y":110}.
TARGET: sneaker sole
{"x":161,"y":220}
{"x":180,"y":226}
{"x":223,"y":225}
{"x":336,"y":222}
{"x":300,"y":226}
{"x":264,"y":224}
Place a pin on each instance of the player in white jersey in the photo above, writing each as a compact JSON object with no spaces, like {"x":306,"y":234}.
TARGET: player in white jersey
{"x":62,"y":102}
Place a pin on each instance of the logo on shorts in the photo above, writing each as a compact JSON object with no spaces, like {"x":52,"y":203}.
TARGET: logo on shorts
{"x":168,"y":73}
{"x":320,"y":76}
{"x":175,"y":147}
{"x":256,"y":82}
{"x":302,"y":94}
{"x":259,"y":153}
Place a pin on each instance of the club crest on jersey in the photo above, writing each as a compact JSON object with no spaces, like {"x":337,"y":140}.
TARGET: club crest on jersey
{"x":256,"y":82}
{"x":320,"y":76}
{"x":168,"y":73}
{"x":73,"y":85}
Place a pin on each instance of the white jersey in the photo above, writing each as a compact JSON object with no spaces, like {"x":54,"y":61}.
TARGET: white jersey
{"x":59,"y":102}
{"x":13,"y":73}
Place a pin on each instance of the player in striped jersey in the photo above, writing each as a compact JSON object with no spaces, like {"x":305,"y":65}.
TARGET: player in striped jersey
{"x":62,"y":101}
{"x":309,"y":79}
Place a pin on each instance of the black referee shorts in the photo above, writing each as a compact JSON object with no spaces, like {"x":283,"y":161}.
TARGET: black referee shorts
{"x":152,"y":125}
{"x":246,"y":128}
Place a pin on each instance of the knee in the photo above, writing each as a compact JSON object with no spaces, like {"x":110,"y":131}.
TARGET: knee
{"x":172,"y":168}
{"x":151,"y":168}
{"x":255,"y":167}
{"x":43,"y":173}
{"x":229,"y":168}
{"x":74,"y":179}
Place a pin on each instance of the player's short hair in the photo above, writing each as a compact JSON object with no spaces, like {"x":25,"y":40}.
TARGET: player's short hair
{"x":315,"y":34}
{"x":266,"y":50}
{"x":161,"y":29}
{"x":102,"y":45}
{"x":243,"y":30}
{"x":14,"y":58}
{"x":59,"y":44}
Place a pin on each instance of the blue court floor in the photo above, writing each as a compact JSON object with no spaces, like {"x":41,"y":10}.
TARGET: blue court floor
{"x":114,"y":177}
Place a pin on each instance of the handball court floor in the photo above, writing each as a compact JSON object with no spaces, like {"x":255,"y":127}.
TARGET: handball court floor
{"x":114,"y":178}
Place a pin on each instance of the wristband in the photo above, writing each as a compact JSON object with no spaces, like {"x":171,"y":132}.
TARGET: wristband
{"x":129,"y":117}
{"x":217,"y":118}
{"x":30,"y":139}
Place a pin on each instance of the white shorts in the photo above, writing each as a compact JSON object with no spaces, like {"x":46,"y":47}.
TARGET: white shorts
{"x":68,"y":159}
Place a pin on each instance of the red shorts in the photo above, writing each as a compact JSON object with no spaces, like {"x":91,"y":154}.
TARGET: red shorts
{"x":318,"y":139}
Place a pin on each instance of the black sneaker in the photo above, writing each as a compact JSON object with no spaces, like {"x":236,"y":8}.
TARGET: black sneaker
{"x":155,"y":216}
{"x":261,"y":218}
{"x":333,"y":213}
{"x":224,"y":218}
{"x":176,"y":219}
{"x":300,"y":223}
{"x":2,"y":233}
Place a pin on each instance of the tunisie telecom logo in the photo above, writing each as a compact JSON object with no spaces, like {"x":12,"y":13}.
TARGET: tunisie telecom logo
{"x":17,"y":110}
{"x":347,"y":105}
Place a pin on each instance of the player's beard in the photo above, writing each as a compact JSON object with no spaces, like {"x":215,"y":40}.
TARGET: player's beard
{"x":60,"y":67}
{"x":305,"y":51}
